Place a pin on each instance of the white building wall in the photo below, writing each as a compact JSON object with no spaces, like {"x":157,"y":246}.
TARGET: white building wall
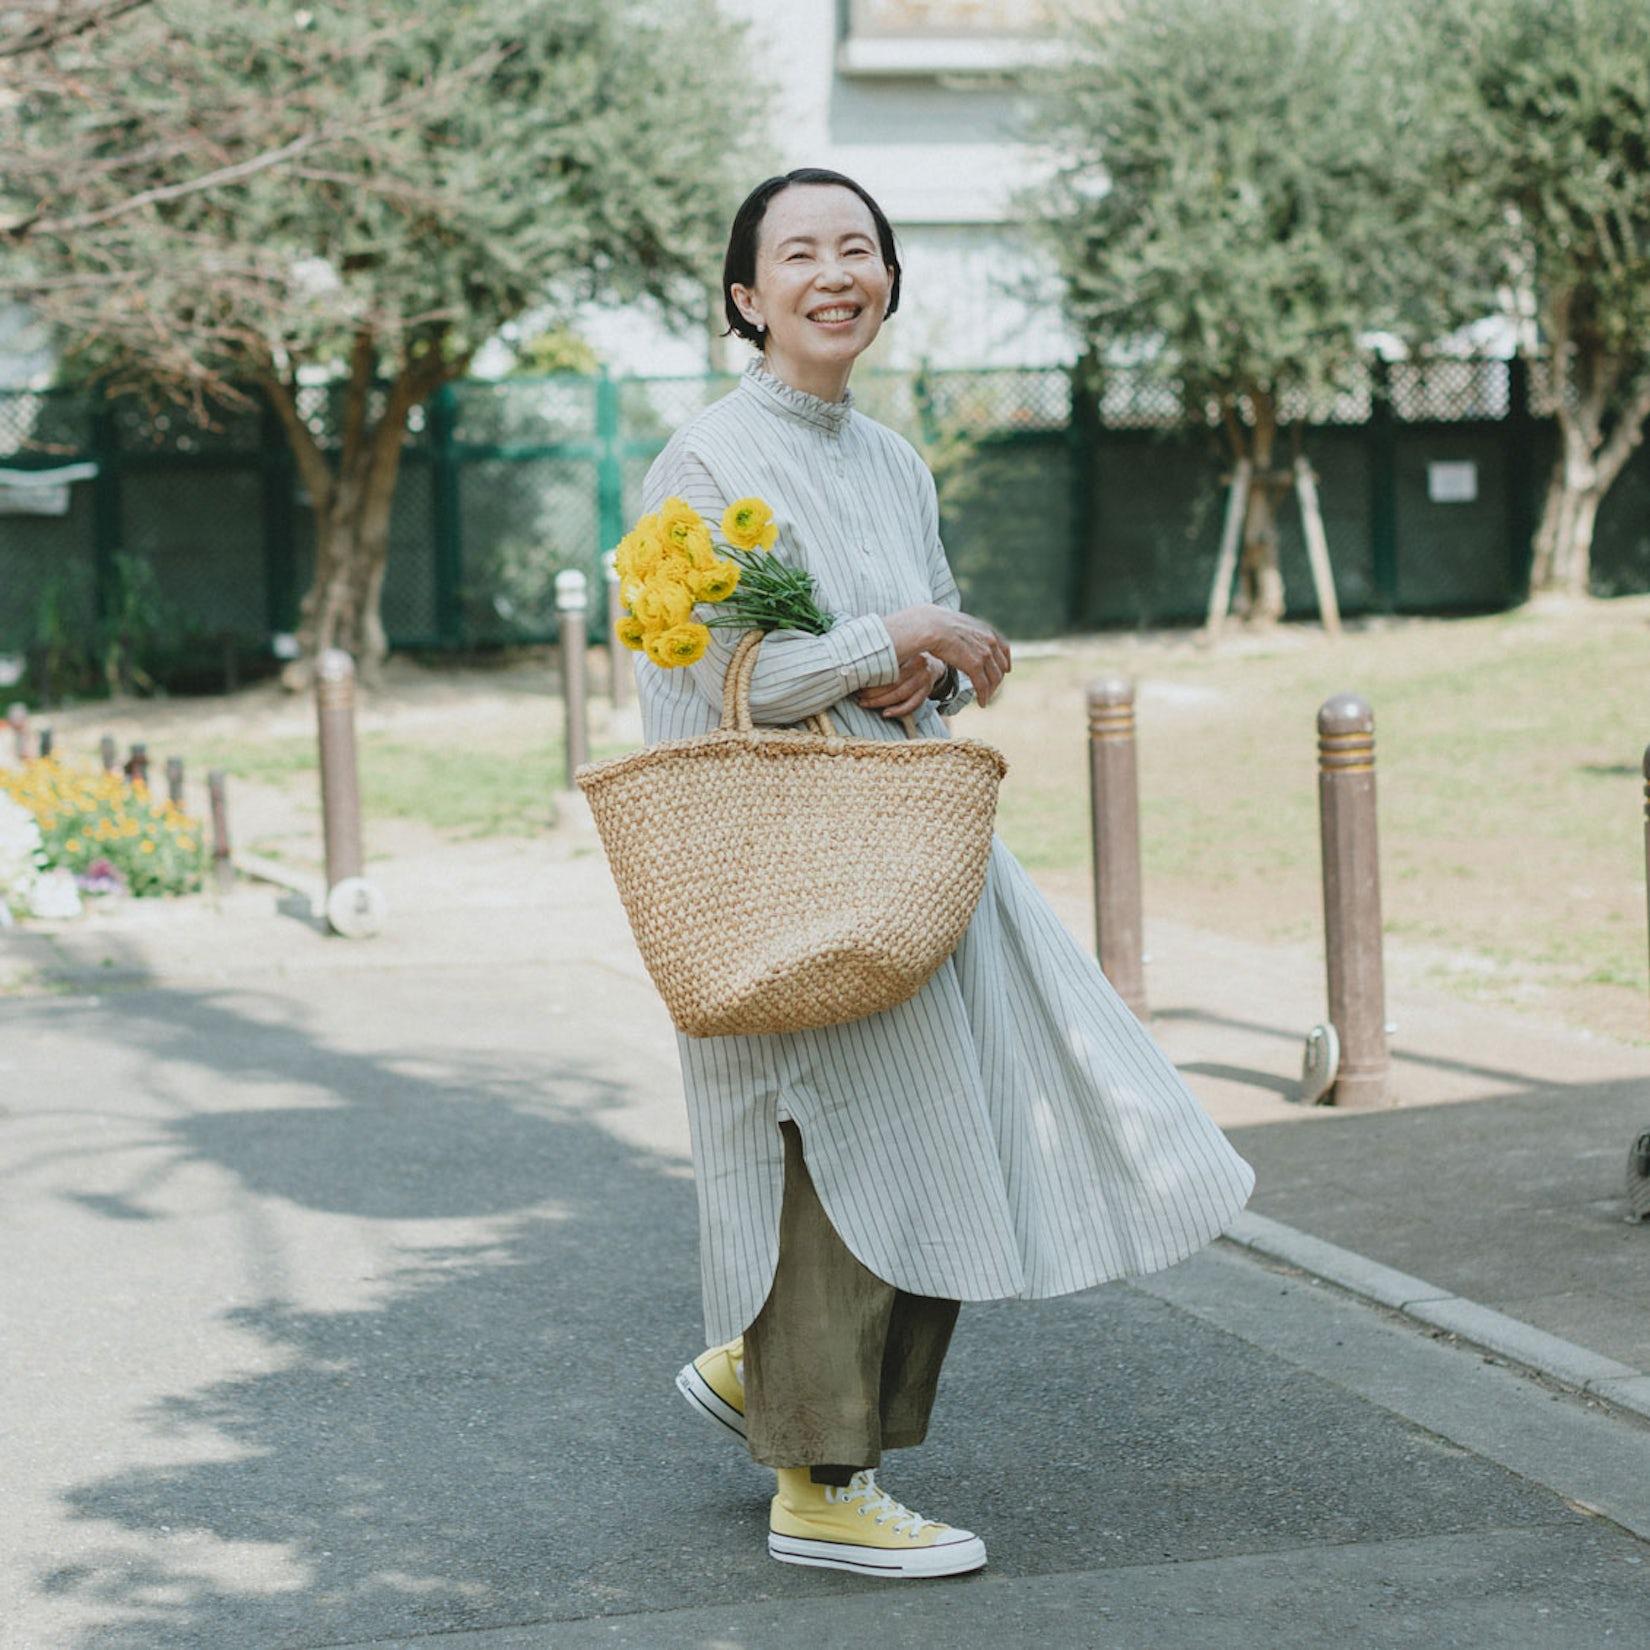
{"x":930,"y":131}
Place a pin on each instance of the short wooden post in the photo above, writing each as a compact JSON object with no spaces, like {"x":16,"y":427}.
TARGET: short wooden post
{"x":618,"y":655}
{"x":108,"y":753}
{"x":1114,"y":808}
{"x":137,"y":766}
{"x":17,"y":718}
{"x":571,"y":609}
{"x":47,"y":741}
{"x":174,"y":781}
{"x":1352,"y":899}
{"x":223,"y":869}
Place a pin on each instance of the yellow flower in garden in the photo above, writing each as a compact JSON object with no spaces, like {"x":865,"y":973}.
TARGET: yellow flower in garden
{"x":748,"y":524}
{"x":717,"y":582}
{"x":146,"y":847}
{"x":682,"y":644}
{"x":664,"y":603}
{"x":631,"y":631}
{"x":72,"y":846}
{"x":187,"y":843}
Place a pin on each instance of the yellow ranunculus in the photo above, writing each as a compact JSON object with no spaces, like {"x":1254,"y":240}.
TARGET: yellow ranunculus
{"x":677,"y":518}
{"x":630,"y":590}
{"x":680,"y":645}
{"x":664,"y":603}
{"x":631,"y":632}
{"x":748,"y":524}
{"x":717,"y":582}
{"x":700,"y":548}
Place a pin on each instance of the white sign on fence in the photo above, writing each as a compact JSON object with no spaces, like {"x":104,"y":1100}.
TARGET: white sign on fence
{"x":1452,"y":483}
{"x":40,"y":492}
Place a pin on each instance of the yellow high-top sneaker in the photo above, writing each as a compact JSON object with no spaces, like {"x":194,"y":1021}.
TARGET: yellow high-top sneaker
{"x":862,"y":1528}
{"x":714,"y":1383}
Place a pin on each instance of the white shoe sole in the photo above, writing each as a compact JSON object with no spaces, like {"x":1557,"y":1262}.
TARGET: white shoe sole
{"x":945,"y":1558}
{"x":697,"y":1390}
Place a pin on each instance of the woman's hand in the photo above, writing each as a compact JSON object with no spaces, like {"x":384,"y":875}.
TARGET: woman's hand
{"x":977,"y":649}
{"x":909,"y":692}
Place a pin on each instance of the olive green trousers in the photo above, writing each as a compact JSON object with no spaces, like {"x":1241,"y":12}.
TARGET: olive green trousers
{"x":839,"y":1365}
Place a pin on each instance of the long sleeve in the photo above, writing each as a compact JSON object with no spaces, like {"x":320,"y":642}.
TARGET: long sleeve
{"x":796,"y":673}
{"x":941,"y":582}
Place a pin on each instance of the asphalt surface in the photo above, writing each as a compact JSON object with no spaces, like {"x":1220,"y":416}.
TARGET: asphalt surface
{"x":345,"y":1287}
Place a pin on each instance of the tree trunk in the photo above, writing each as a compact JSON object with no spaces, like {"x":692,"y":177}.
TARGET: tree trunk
{"x":1259,"y":600}
{"x":352,"y":500}
{"x":1564,"y":540}
{"x":1601,"y":406}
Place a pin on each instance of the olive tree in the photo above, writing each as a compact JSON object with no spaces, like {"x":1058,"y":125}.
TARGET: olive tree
{"x":1241,"y":191}
{"x":1557,"y":96}
{"x":402,"y":179}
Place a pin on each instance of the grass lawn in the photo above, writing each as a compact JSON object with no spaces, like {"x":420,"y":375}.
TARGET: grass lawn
{"x":468,"y":790}
{"x":1507,"y":758}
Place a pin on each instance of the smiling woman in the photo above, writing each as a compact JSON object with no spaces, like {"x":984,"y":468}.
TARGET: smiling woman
{"x":1009,"y":1130}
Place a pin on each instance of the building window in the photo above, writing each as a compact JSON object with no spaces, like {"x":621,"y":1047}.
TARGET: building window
{"x":943,"y":37}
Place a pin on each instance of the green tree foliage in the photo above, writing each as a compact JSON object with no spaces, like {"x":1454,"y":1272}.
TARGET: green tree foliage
{"x":387,"y":183}
{"x":1556,"y":95}
{"x":1243,"y":191}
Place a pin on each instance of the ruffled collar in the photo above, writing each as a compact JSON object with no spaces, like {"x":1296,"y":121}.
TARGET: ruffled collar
{"x":794,"y":403}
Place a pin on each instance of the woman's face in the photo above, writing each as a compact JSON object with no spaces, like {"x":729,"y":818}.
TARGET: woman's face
{"x":821,"y":286}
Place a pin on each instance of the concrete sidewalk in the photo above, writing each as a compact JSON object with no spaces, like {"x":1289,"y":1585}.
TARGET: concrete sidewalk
{"x":355,"y":1276}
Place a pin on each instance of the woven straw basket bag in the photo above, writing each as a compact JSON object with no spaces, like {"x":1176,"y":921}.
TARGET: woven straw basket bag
{"x":778,"y":879}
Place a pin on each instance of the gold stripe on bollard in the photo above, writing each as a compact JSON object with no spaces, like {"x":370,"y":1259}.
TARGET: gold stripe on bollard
{"x":1114,"y":813}
{"x":1352,"y":899}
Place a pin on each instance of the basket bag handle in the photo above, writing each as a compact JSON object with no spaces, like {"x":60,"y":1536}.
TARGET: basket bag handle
{"x":736,"y":694}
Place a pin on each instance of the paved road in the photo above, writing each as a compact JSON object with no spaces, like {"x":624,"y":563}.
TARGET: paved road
{"x":344,"y":1288}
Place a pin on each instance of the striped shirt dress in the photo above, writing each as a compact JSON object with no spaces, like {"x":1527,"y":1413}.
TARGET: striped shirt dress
{"x":1009,"y":1131}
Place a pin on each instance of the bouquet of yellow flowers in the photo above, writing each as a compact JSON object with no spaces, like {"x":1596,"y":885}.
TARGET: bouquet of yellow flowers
{"x":669,"y":562}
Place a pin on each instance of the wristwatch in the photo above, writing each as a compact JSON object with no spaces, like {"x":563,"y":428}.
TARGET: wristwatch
{"x":946,"y":687}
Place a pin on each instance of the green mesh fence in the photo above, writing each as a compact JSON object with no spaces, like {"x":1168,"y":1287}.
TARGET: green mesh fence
{"x":1057,"y":514}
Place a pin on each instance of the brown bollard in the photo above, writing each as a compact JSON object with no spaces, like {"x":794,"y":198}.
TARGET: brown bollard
{"x":108,"y":752}
{"x":174,"y":781}
{"x":137,"y":766}
{"x":340,"y":781}
{"x":17,"y":718}
{"x":223,"y":870}
{"x":618,"y":655}
{"x":1647,"y":831}
{"x":1114,"y":808}
{"x":570,"y":614}
{"x":1352,"y":899}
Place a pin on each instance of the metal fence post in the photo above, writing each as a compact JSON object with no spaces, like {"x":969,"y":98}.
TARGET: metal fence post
{"x":354,"y":907}
{"x":1114,"y":806}
{"x":1352,"y":899}
{"x":106,"y":509}
{"x":571,"y":602}
{"x":441,"y":422}
{"x":1382,"y":448}
{"x":609,"y":467}
{"x":618,"y":655}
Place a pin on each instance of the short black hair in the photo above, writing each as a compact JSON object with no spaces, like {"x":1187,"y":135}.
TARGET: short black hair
{"x":739,"y":266}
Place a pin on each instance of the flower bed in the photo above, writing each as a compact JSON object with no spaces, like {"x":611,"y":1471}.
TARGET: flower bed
{"x":109,"y":833}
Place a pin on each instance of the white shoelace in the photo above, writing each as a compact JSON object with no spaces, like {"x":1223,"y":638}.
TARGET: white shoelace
{"x":864,"y":1487}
